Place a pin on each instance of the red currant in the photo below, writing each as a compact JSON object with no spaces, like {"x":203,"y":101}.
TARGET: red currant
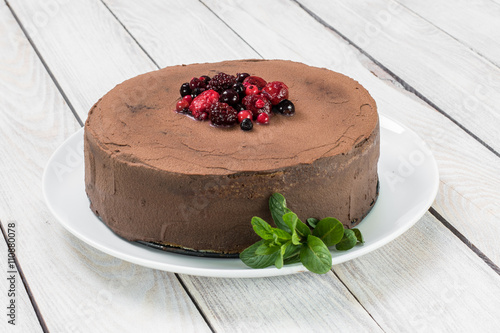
{"x":263,"y":118}
{"x":188,"y":98}
{"x":251,"y":90}
{"x":244,"y":115}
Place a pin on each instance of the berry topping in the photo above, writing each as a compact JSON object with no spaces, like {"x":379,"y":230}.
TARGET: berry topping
{"x":257,"y":104}
{"x":229,"y":96}
{"x":241,"y":76}
{"x":182,"y":105}
{"x":239,"y":88}
{"x":201,"y":104}
{"x":246,"y":124}
{"x":226,"y":99}
{"x":185,"y":89}
{"x":197,"y":83}
{"x":263,"y":118}
{"x":221,"y":114}
{"x":275,"y":91}
{"x":221,"y":82}
{"x":256,"y":81}
{"x":242,"y":115}
{"x":286,"y":107}
{"x":251,"y":90}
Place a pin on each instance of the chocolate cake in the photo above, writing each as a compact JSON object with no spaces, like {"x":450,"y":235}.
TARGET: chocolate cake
{"x":155,"y":175}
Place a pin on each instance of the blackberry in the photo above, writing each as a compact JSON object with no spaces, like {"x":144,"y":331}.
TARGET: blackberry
{"x":221,"y":82}
{"x":221,"y":114}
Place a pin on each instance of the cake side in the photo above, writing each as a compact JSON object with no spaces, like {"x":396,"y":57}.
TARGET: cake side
{"x":149,"y":190}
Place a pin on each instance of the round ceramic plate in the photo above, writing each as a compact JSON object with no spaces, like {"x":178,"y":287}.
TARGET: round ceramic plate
{"x":408,"y":185}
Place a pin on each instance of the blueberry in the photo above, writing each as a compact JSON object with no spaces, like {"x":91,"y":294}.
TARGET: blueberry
{"x":246,"y":124}
{"x":185,"y":89}
{"x":286,"y":107}
{"x":230,"y":97}
{"x":241,"y":76}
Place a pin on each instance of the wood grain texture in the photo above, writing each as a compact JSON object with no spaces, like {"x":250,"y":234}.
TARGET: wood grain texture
{"x":475,"y":23}
{"x":303,"y":302}
{"x":448,"y":73}
{"x":77,"y":288}
{"x":467,"y":170}
{"x":26,"y":320}
{"x":185,"y":32}
{"x":408,"y":287}
{"x":60,"y":31}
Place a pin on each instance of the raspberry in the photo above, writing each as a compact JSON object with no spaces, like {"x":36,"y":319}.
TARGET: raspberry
{"x":275,"y":91}
{"x":221,"y":114}
{"x":256,"y":81}
{"x":201,"y":104}
{"x":221,"y":82}
{"x":257,"y":104}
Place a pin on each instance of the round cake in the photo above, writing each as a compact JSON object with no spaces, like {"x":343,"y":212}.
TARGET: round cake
{"x":155,"y":175}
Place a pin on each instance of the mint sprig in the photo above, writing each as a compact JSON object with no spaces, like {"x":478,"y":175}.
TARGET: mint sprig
{"x":292,"y":241}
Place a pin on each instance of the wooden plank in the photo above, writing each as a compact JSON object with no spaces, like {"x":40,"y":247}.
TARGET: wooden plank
{"x":76,"y":287}
{"x":475,"y":23}
{"x":24,"y":319}
{"x":426,"y":282}
{"x":468,"y":171}
{"x":183,"y":25}
{"x":448,"y":73}
{"x":303,"y":302}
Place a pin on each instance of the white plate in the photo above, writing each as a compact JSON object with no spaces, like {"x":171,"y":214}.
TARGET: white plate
{"x":408,"y":185}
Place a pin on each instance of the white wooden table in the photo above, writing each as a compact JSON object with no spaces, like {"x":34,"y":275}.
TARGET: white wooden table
{"x":432,"y":65}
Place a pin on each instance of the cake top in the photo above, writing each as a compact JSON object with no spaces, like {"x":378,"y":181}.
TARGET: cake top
{"x":136,"y":122}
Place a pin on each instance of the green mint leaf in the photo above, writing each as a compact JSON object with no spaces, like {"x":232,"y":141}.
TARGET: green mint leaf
{"x":293,"y":259}
{"x":262,"y":228}
{"x":329,"y":230}
{"x":277,"y":206}
{"x":279,"y":260}
{"x":281,"y":235}
{"x":295,"y":239}
{"x":315,"y":256}
{"x":302,"y":229}
{"x":290,"y":220}
{"x":312,"y":222}
{"x":251,"y":259}
{"x":358,"y":234}
{"x":348,"y":241}
{"x":267,"y":247}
